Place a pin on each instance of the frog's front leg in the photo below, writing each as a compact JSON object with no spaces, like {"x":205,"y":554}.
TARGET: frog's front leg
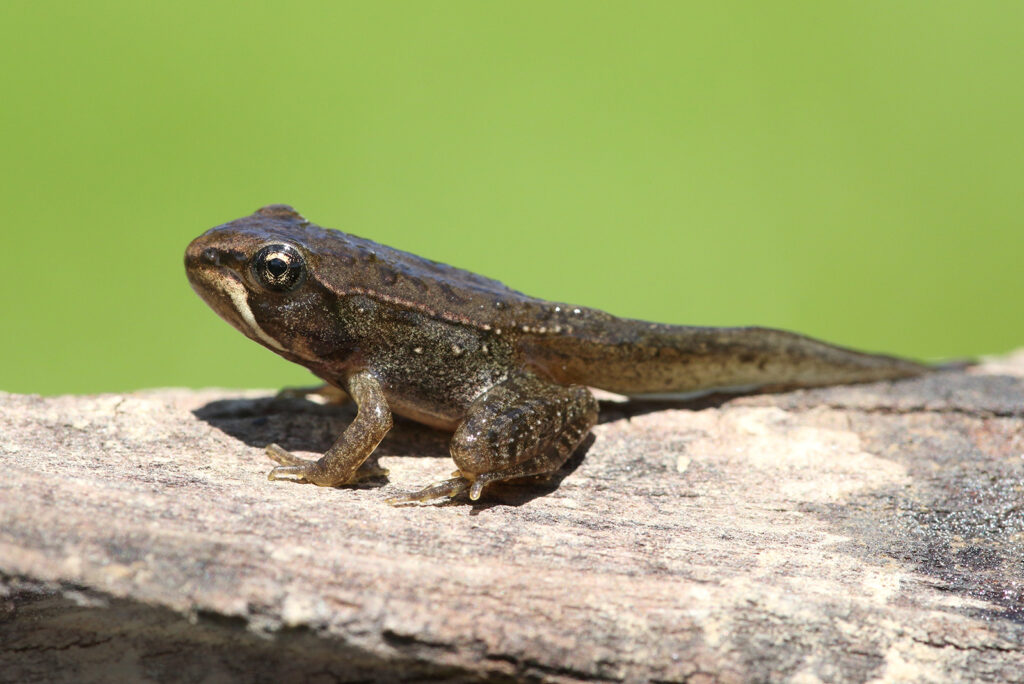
{"x":521,"y":427}
{"x":341,"y":464}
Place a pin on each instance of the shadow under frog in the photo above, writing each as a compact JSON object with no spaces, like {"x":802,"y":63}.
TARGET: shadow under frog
{"x":299,"y":424}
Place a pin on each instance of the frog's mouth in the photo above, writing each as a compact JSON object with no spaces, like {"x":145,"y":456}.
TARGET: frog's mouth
{"x":221,"y":288}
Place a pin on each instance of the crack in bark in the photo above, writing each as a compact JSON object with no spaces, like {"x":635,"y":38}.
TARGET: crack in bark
{"x":78,"y":643}
{"x":987,"y":648}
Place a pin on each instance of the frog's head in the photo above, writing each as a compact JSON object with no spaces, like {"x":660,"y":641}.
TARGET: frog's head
{"x":259,"y":273}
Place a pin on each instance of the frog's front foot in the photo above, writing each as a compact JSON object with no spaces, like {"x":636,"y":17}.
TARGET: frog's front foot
{"x":305,"y":471}
{"x":439,"y":490}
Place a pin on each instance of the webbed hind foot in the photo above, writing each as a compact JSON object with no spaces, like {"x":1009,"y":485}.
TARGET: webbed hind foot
{"x":439,"y":490}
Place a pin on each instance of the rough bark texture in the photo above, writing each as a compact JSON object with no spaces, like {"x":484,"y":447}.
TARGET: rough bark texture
{"x":845,"y":534}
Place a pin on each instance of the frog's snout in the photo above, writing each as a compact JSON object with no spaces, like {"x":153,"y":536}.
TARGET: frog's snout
{"x":197,"y":255}
{"x":204,"y":253}
{"x":200,"y":253}
{"x":207,"y":264}
{"x":194,"y":254}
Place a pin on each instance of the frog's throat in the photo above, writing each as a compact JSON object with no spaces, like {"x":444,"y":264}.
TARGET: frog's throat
{"x":237,"y":294}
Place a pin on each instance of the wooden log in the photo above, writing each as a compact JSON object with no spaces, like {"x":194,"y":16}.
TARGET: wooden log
{"x":865,"y":533}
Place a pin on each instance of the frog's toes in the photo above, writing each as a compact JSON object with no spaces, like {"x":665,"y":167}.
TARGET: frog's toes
{"x":285,"y":458}
{"x":292,"y":468}
{"x":481,"y":481}
{"x":289,"y":473}
{"x":296,"y":469}
{"x":438,"y":490}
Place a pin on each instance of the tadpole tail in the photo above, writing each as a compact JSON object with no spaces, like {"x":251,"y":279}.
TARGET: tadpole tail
{"x":640,"y":358}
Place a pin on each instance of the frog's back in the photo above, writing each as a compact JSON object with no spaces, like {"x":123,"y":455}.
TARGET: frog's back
{"x":571,"y":345}
{"x":351,"y":265}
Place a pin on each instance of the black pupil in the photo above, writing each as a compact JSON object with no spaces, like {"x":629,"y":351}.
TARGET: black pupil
{"x":277,"y":266}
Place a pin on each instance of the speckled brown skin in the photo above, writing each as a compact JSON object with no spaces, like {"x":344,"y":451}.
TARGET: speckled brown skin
{"x":505,"y":372}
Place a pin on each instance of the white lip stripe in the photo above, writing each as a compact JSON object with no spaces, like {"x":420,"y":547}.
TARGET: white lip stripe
{"x":236,"y":292}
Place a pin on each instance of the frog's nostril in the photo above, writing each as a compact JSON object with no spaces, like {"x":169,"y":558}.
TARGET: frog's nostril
{"x":210,"y":256}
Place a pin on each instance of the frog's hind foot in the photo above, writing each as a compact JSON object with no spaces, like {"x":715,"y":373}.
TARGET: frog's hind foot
{"x":439,"y":490}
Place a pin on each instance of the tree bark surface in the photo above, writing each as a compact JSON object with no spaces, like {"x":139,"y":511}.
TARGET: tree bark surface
{"x":861,"y":533}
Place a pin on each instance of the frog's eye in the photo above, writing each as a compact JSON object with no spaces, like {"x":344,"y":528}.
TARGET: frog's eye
{"x":278,"y":267}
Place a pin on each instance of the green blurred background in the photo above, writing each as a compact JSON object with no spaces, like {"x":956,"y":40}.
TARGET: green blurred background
{"x":846,"y":169}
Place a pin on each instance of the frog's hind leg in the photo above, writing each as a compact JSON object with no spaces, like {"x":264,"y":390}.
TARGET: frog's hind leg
{"x":521,"y":427}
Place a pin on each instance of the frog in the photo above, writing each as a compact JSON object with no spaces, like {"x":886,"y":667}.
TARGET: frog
{"x":510,"y":376}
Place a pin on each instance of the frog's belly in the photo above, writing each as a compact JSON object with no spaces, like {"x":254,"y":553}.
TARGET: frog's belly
{"x":436,"y":416}
{"x":422,"y":397}
{"x":436,"y":396}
